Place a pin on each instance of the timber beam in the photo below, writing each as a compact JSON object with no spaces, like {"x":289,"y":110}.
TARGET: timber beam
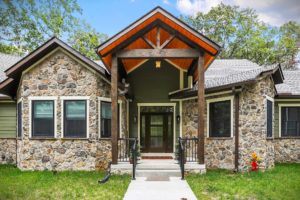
{"x":158,"y":53}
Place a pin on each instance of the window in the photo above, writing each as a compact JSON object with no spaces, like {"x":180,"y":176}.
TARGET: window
{"x":75,"y":118}
{"x":290,"y":120}
{"x":220,"y":119}
{"x":42,"y":118}
{"x":19,"y":119}
{"x":105,"y":117}
{"x":269,"y":118}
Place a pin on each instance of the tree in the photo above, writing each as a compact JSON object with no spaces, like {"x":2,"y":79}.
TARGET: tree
{"x":26,"y":24}
{"x":243,"y":35}
{"x":86,"y":41}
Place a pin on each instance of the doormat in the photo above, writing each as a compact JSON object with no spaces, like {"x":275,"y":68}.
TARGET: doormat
{"x":158,"y":178}
{"x":157,"y":157}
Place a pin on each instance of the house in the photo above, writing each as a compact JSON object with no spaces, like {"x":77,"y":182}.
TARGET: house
{"x":158,"y":79}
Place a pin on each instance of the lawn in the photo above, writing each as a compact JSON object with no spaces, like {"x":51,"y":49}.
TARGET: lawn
{"x":15,"y":184}
{"x":282,"y":182}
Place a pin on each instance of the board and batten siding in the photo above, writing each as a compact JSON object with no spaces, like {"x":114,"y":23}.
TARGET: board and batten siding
{"x":8,"y":120}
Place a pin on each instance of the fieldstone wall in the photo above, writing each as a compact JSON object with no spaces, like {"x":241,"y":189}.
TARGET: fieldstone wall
{"x":8,"y":151}
{"x":253,"y":124}
{"x":219,"y":152}
{"x":287,"y":150}
{"x":60,"y":75}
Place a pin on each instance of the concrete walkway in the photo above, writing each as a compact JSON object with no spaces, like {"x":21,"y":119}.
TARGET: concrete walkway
{"x":159,"y":188}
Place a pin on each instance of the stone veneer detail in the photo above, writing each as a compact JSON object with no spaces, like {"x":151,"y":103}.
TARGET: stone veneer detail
{"x":287,"y":150}
{"x":219,"y":153}
{"x":61,"y":75}
{"x":7,"y":151}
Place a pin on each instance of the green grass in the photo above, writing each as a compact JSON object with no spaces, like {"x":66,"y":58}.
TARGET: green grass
{"x":282,"y":182}
{"x":15,"y":184}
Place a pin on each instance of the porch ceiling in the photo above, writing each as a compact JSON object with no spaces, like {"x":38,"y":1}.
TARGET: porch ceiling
{"x":158,"y":30}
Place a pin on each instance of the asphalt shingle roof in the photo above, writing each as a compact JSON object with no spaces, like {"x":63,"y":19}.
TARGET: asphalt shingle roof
{"x":291,"y":84}
{"x":220,"y":73}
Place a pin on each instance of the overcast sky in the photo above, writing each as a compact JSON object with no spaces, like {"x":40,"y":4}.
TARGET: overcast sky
{"x":110,"y":16}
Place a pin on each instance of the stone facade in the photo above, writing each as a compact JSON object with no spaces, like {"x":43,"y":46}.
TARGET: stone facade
{"x":61,"y":75}
{"x":8,"y":151}
{"x":287,"y":150}
{"x":253,"y":124}
{"x":220,"y":152}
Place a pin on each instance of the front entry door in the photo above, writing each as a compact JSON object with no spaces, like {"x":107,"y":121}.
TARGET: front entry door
{"x":157,"y":132}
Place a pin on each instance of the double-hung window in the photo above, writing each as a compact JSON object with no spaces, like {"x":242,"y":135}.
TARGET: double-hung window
{"x":75,"y":118}
{"x":42,"y":118}
{"x":220,"y":117}
{"x":290,"y":121}
{"x":105,"y":117}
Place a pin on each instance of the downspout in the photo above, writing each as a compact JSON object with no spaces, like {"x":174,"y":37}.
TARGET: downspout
{"x":237,"y":116}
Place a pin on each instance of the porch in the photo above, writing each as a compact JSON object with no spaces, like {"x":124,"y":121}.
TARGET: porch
{"x":153,"y":57}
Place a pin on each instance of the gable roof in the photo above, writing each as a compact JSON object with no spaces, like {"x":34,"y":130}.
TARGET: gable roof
{"x":14,"y":72}
{"x":6,"y":60}
{"x":138,"y":34}
{"x":228,"y":73}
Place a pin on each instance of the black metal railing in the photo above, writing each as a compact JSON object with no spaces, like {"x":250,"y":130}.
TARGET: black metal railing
{"x":187,"y":152}
{"x":128,"y":152}
{"x":124,"y":149}
{"x":134,"y":152}
{"x":181,"y":156}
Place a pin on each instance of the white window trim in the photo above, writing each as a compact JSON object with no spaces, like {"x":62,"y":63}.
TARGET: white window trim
{"x":230,"y":98}
{"x":158,"y":104}
{"x":284,"y":106}
{"x":87,"y":99}
{"x":20,"y":101}
{"x":266,"y":113}
{"x":42,"y":98}
{"x":106,"y":99}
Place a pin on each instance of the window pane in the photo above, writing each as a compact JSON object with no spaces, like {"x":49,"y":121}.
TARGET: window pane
{"x":75,"y":109}
{"x":43,"y":118}
{"x":220,"y":119}
{"x":106,"y":119}
{"x":75,"y":125}
{"x":106,"y":110}
{"x":290,"y":121}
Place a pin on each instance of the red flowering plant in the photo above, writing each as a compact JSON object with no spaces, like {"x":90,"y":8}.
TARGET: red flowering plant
{"x":255,"y":160}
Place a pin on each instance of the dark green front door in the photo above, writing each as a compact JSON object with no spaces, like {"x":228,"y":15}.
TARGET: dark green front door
{"x":157,"y":132}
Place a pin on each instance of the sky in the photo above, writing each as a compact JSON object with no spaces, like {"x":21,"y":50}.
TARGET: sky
{"x":111,"y":16}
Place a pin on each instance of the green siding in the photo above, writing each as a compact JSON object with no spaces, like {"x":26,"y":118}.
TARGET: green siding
{"x":8,"y":120}
{"x":151,"y":85}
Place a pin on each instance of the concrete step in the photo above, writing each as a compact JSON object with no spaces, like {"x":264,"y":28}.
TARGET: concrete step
{"x":152,"y":173}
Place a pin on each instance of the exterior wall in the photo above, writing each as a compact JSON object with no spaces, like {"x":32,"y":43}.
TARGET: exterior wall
{"x":253,"y":124}
{"x":8,"y":151}
{"x":219,"y":152}
{"x":61,"y":75}
{"x":286,"y":149}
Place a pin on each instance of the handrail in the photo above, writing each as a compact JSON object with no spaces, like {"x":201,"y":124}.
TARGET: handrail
{"x":181,"y":156}
{"x":124,"y":149}
{"x":134,"y":157}
{"x":187,"y":152}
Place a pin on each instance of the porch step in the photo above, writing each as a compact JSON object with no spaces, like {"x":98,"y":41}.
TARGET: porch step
{"x":158,"y":173}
